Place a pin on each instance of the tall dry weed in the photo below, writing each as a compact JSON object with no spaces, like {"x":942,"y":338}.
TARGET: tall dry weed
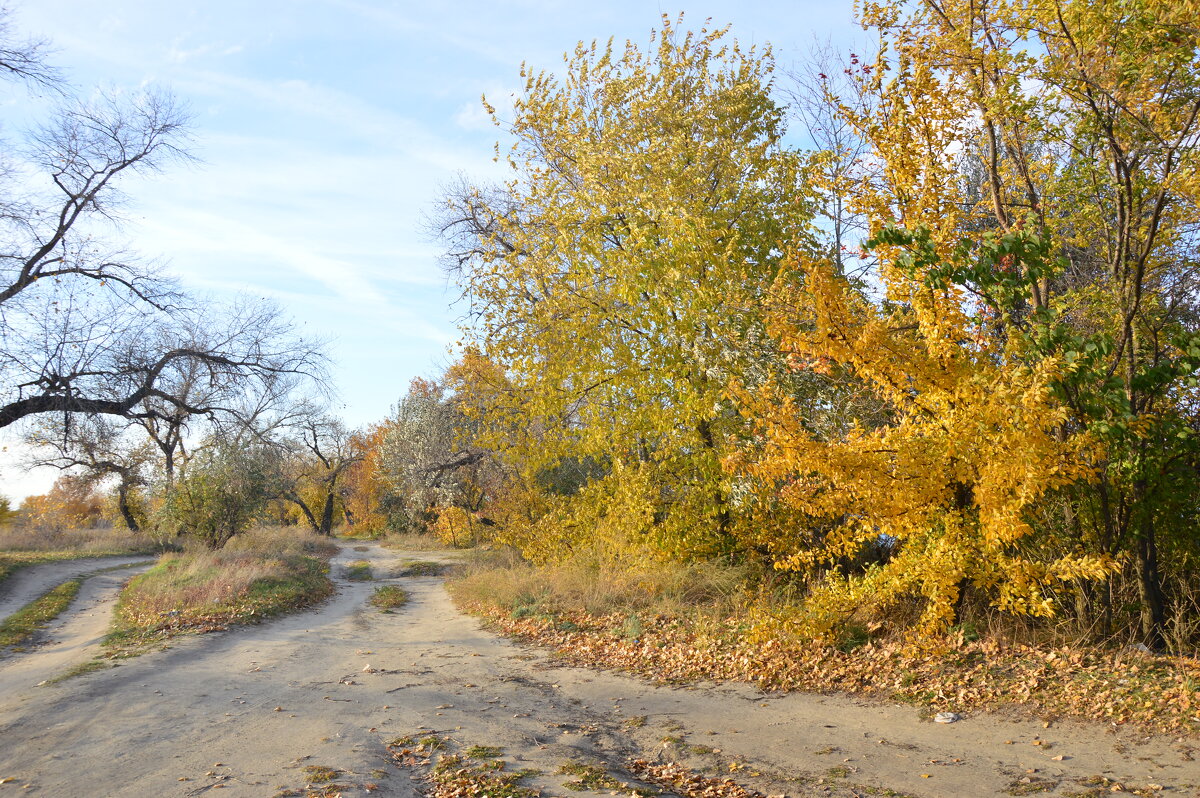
{"x":85,"y":541}
{"x":503,"y":579}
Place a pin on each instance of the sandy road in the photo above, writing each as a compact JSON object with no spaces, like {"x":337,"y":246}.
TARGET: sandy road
{"x":32,"y":581}
{"x":244,"y":712}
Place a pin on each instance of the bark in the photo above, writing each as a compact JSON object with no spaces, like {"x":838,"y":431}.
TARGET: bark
{"x":125,"y":510}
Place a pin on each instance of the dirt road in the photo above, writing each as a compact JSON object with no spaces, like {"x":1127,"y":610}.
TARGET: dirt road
{"x":246,"y":712}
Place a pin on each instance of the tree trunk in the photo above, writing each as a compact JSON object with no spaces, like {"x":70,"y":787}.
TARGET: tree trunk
{"x":327,"y":515}
{"x":125,"y":510}
{"x":308,"y":514}
{"x":1150,"y":592}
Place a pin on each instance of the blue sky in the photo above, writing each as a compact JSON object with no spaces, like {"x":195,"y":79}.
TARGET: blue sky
{"x":325,"y":129}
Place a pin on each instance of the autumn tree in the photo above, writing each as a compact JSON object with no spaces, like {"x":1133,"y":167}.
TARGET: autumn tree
{"x":1031,"y":191}
{"x":222,"y":492}
{"x":71,"y":503}
{"x":430,"y":459}
{"x":368,"y":502}
{"x":612,"y":280}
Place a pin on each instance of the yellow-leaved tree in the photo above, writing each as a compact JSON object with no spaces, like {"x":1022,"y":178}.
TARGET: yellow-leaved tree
{"x":614,"y":282}
{"x":928,"y":495}
{"x":1030,"y":183}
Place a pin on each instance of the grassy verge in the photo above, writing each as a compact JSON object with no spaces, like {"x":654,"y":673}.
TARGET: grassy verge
{"x":258,"y":575}
{"x":20,"y":627}
{"x":687,"y":623}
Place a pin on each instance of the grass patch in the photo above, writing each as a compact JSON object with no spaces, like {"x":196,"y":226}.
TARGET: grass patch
{"x":388,"y":597}
{"x":319,"y":774}
{"x":90,"y":666}
{"x":587,"y":777}
{"x":457,"y":775}
{"x":423,"y":568}
{"x":454,"y":777}
{"x":359,"y":571}
{"x":20,"y":627}
{"x":483,"y":752}
{"x":257,"y":575}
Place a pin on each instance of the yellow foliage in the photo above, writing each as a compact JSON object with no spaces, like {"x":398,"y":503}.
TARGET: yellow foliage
{"x":972,"y":441}
{"x":613,"y":295}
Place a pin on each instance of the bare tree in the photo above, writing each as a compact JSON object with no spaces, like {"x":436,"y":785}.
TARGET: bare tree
{"x":25,"y":59}
{"x":86,"y":327}
{"x":96,"y":448}
{"x":817,"y":90}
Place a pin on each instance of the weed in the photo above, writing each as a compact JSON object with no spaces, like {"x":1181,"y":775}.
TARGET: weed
{"x":632,"y":628}
{"x":1030,"y":785}
{"x":319,"y":774}
{"x":483,"y":752}
{"x":853,"y":636}
{"x":432,"y":743}
{"x":79,"y":670}
{"x":454,"y":776}
{"x":20,"y":627}
{"x":388,"y":597}
{"x":587,"y":777}
{"x":635,"y":722}
{"x":449,"y":762}
{"x":359,"y":571}
{"x":965,"y":632}
{"x":838,"y":772}
{"x":423,"y":568}
{"x":671,"y":740}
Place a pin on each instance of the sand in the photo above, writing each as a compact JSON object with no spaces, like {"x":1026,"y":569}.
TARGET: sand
{"x":243,"y":712}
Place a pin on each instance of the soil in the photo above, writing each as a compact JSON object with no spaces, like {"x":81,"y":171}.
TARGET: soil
{"x":264,"y":710}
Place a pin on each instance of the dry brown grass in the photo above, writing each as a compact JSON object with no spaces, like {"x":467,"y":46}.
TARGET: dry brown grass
{"x":413,"y":541}
{"x":84,"y":542}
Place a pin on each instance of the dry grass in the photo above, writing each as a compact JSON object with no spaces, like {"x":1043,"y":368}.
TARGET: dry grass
{"x":78,"y":542}
{"x":502,"y":579}
{"x":20,"y":547}
{"x":413,"y":541}
{"x":262,"y":573}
